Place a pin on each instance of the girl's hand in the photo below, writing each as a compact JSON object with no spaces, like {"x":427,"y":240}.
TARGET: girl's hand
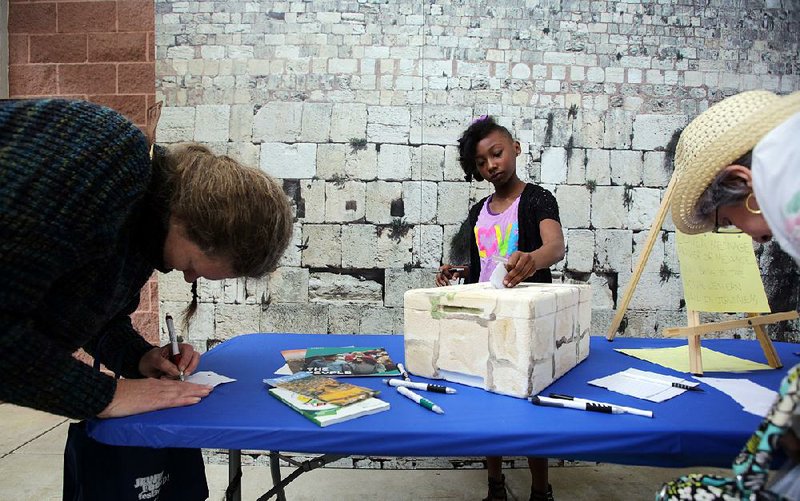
{"x":520,"y":266}
{"x":448,"y":273}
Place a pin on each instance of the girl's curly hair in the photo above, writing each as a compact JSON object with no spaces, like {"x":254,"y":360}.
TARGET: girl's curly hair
{"x":475,"y":133}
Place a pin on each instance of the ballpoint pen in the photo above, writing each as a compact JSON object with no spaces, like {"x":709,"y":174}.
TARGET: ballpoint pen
{"x":588,"y":405}
{"x":173,"y":339}
{"x":453,"y":269}
{"x":424,"y":402}
{"x":629,"y":410}
{"x":643,"y":377}
{"x":403,"y":372}
{"x":436,"y":388}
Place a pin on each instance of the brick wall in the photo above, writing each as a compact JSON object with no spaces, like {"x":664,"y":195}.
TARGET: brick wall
{"x":356,"y":107}
{"x":97,"y":51}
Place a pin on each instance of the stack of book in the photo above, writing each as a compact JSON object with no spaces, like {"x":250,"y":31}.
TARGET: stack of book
{"x":325,"y":400}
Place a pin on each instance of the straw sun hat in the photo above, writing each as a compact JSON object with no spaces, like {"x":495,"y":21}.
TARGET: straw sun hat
{"x":716,"y":138}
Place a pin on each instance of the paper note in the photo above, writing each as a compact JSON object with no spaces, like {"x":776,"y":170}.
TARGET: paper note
{"x":642,"y":384}
{"x":208,"y":377}
{"x":720,"y":273}
{"x":677,"y":358}
{"x":753,"y":397}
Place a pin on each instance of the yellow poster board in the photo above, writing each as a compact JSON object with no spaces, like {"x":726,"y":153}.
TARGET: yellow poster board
{"x":720,"y":273}
{"x":677,"y":358}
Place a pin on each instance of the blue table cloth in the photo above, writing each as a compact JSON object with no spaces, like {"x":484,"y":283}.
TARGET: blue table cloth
{"x":695,"y":428}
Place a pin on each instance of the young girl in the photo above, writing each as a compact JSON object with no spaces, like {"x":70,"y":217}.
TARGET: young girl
{"x":518,"y":222}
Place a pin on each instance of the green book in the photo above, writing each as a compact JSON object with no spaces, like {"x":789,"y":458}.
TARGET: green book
{"x":325,"y":400}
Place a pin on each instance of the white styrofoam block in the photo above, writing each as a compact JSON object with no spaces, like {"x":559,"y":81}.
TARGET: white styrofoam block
{"x":512,"y":341}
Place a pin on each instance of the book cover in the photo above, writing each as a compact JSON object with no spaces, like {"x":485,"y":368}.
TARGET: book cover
{"x":342,"y":361}
{"x":323,"y":413}
{"x":322,"y":388}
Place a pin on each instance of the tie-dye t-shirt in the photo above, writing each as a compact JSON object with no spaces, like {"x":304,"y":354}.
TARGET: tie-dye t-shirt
{"x":496,"y":235}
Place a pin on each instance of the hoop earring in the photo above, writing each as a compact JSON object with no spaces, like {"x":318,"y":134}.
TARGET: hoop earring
{"x":747,"y":205}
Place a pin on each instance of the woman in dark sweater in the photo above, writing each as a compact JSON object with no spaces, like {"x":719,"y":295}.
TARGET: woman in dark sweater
{"x":86,"y":216}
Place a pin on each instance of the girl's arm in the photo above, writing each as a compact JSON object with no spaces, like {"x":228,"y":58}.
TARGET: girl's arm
{"x":521,"y":265}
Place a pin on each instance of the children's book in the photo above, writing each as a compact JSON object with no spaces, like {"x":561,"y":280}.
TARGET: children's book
{"x":322,"y":388}
{"x":341,"y":361}
{"x":324,"y":400}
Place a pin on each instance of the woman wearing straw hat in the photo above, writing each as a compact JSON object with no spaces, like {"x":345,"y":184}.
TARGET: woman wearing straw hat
{"x":736,"y":168}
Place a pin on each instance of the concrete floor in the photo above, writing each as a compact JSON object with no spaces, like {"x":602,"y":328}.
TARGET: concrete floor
{"x":31,"y":461}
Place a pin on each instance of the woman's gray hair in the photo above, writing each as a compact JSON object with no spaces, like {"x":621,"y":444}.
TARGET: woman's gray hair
{"x":725,"y":189}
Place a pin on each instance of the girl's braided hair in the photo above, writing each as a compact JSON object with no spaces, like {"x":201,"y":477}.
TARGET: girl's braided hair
{"x":475,"y":133}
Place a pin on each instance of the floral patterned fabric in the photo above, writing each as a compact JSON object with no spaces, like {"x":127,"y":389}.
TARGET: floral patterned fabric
{"x":751,"y":466}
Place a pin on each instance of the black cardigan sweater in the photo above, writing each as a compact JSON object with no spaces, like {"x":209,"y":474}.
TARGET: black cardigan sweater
{"x":80,"y":234}
{"x":535,"y":204}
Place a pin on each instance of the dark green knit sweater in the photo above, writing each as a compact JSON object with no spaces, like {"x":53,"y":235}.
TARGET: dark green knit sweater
{"x":79,"y":237}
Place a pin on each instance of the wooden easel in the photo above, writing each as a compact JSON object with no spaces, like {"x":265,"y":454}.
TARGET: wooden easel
{"x":694,"y":328}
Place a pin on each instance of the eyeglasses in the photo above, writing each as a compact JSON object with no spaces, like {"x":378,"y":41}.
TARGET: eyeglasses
{"x":729,"y":229}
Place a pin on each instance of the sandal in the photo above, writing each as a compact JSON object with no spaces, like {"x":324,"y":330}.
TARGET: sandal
{"x":497,"y":489}
{"x":542,"y":496}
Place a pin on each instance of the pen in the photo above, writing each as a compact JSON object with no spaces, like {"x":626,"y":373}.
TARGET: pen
{"x":453,"y":269}
{"x":629,"y":410}
{"x":682,"y":386}
{"x":403,"y":372}
{"x":437,"y":388}
{"x":420,"y":400}
{"x":173,"y":339}
{"x":584,"y":405}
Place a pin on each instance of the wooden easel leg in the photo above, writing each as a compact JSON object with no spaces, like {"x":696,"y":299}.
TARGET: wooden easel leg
{"x":652,"y":235}
{"x":773,"y":359}
{"x":695,"y":353}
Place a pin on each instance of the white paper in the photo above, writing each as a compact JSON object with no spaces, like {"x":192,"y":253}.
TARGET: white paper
{"x":753,"y":397}
{"x":498,"y":275}
{"x":284,"y":370}
{"x":208,"y":377}
{"x":643,"y":384}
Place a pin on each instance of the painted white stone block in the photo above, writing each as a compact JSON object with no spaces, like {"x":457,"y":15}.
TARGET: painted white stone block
{"x":510,"y":341}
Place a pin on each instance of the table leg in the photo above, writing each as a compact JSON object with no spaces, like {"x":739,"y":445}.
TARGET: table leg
{"x":275,"y":470}
{"x":234,"y":490}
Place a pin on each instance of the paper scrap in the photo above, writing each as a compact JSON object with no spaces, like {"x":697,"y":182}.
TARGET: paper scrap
{"x":677,"y":358}
{"x":208,"y":377}
{"x":284,"y":370}
{"x":498,"y":275}
{"x":642,"y":384}
{"x":753,"y":397}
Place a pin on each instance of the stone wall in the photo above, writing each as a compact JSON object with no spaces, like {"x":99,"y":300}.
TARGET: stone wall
{"x":356,"y":106}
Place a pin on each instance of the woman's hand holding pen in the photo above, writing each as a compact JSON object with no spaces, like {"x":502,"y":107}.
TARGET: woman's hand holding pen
{"x":447,"y":273}
{"x":134,"y":396}
{"x":156,"y":363}
{"x":159,"y":389}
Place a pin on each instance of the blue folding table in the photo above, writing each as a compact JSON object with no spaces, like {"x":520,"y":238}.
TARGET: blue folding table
{"x":693,"y":429}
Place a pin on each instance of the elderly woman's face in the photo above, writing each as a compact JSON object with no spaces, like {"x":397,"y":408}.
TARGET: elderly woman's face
{"x":183,"y":255}
{"x":753,"y":224}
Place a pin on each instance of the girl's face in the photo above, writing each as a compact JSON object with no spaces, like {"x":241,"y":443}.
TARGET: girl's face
{"x":496,"y":158}
{"x":183,"y":255}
